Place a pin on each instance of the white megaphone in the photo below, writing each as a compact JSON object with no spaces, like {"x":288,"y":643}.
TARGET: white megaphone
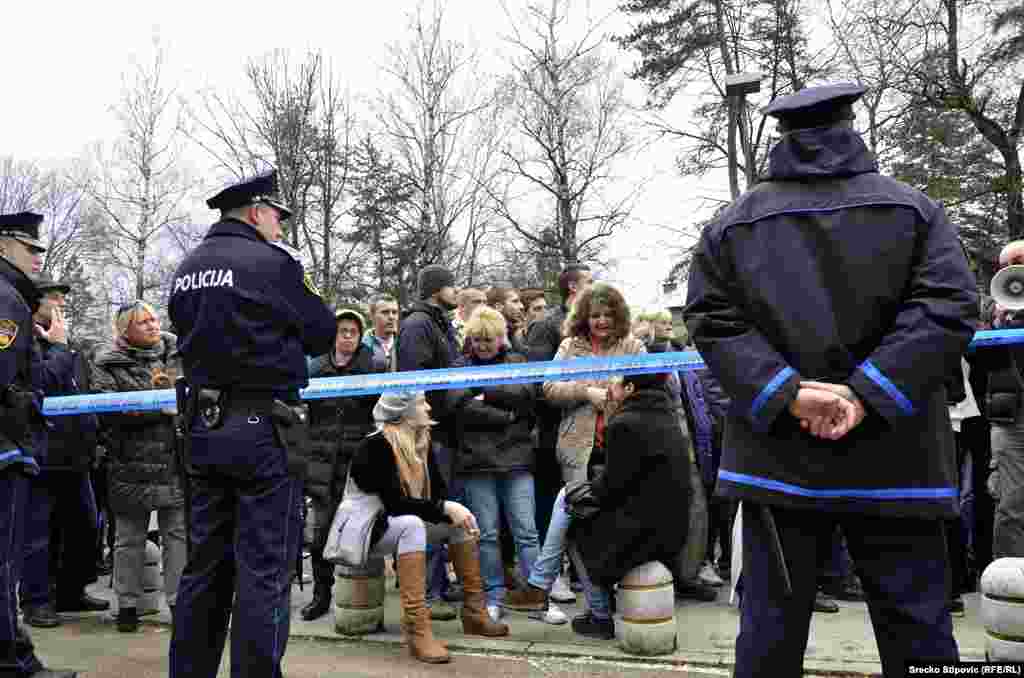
{"x":1008,"y":288}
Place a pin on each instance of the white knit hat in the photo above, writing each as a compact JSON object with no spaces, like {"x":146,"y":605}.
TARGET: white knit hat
{"x":394,"y":405}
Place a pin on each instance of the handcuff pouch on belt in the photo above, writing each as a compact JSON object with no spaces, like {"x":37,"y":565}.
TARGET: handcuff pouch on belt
{"x":209,"y":407}
{"x":291,"y":424}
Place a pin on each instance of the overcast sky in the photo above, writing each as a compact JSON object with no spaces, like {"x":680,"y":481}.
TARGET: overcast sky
{"x":64,"y":63}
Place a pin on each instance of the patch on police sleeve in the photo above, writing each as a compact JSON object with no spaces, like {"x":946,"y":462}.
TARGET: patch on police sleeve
{"x":8,"y":333}
{"x":309,"y":284}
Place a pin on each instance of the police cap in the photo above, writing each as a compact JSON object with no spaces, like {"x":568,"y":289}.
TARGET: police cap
{"x":46,"y":284}
{"x":819,"y":106}
{"x":23,"y":227}
{"x":260,"y":189}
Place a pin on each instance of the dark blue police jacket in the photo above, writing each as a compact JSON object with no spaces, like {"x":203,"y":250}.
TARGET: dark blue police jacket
{"x":245,"y":315}
{"x":20,"y":367}
{"x":829,"y":271}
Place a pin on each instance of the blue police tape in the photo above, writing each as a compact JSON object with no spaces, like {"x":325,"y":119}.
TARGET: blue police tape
{"x":461,"y":377}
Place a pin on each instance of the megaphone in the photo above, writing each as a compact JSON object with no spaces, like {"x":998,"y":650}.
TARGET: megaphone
{"x":1008,"y":288}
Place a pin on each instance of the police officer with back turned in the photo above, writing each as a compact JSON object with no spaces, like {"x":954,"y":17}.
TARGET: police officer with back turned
{"x":22,"y":430}
{"x":246,"y":317}
{"x":838,"y":404}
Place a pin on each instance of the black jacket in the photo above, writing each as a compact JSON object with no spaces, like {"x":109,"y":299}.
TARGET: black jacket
{"x":72,"y":439}
{"x":829,"y":271}
{"x":337,"y":426}
{"x":246,"y":315}
{"x":493,"y":435}
{"x":21,"y":368}
{"x":644,"y":491}
{"x":140,"y":444}
{"x":545,"y":335}
{"x":374,"y":470}
{"x":426,"y":341}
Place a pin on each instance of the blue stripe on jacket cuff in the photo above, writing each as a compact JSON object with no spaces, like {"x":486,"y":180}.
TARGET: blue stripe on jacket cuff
{"x":849,"y":493}
{"x":774,"y":385}
{"x":893,"y":391}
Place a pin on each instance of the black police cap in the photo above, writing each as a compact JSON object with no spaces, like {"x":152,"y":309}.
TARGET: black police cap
{"x":23,"y":227}
{"x":261,"y":188}
{"x":46,"y":284}
{"x":815,"y":106}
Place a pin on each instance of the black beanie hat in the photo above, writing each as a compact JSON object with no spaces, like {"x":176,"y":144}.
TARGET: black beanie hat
{"x":433,"y":279}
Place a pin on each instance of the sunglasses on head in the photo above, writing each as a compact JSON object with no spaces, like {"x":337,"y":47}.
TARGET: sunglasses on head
{"x":130,"y":306}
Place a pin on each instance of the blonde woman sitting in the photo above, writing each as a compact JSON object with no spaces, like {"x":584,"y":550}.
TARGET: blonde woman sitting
{"x":396,"y":466}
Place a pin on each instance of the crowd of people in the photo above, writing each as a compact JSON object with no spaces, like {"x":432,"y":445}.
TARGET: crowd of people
{"x":843,"y":431}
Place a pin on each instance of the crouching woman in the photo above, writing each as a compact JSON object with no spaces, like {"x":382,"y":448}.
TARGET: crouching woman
{"x":640,"y":504}
{"x":396,"y":466}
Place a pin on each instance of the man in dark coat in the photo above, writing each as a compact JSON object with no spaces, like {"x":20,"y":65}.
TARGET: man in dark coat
{"x":61,"y":530}
{"x":838,"y":408}
{"x":426,"y":341}
{"x":336,"y":427}
{"x":23,"y":379}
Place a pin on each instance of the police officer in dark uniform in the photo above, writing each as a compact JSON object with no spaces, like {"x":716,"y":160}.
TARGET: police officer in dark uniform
{"x":61,"y":525}
{"x":23,"y":379}
{"x":838,"y":408}
{"x":246,"y":318}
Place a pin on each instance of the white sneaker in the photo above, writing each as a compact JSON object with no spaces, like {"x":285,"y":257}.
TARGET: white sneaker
{"x":495,"y":612}
{"x":553,"y":615}
{"x":560,"y":592}
{"x":708,"y":576}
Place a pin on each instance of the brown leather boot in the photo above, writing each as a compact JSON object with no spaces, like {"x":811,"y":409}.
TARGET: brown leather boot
{"x":475,"y":620}
{"x":530,"y":599}
{"x":412,"y":580}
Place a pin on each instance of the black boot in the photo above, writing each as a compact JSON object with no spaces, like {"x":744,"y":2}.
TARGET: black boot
{"x":323,"y":580}
{"x":127,"y":620}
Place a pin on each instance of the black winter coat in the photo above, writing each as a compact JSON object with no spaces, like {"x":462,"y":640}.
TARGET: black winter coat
{"x":829,"y":271}
{"x":375,"y":471}
{"x":140,"y":445}
{"x":644,"y":491}
{"x":426,"y":341}
{"x":72,"y":439}
{"x":494,"y":435}
{"x":337,"y":426}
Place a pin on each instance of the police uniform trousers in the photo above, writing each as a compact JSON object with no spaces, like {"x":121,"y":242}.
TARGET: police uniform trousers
{"x":60,"y":538}
{"x":903,"y":568}
{"x":245,"y":531}
{"x":17,"y":656}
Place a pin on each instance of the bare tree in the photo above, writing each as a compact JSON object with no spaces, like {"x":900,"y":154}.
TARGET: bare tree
{"x":139,"y":183}
{"x":875,"y":37}
{"x":568,"y":114}
{"x":433,"y":119}
{"x":21,"y":185}
{"x":692,"y":47}
{"x":301,"y":122}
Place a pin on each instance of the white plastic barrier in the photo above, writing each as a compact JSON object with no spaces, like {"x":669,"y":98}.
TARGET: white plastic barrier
{"x":1002,"y":609}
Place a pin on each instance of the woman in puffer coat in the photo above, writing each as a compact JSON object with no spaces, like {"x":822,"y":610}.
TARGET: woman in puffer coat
{"x":140,"y":446}
{"x":336,"y":427}
{"x":635,"y":522}
{"x":495,"y":453}
{"x":598,"y":326}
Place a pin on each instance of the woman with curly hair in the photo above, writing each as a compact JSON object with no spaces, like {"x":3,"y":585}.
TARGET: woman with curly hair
{"x":598,"y":326}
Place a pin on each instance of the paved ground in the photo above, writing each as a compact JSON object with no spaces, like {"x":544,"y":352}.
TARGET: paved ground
{"x":840,"y":643}
{"x":93,"y":647}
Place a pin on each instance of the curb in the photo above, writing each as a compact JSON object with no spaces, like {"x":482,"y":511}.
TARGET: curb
{"x":718,"y":661}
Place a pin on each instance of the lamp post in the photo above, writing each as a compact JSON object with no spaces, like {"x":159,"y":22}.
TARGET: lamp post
{"x":737,"y":87}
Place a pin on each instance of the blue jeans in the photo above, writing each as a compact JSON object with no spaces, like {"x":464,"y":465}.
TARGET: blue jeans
{"x":486,"y":494}
{"x":549,"y":562}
